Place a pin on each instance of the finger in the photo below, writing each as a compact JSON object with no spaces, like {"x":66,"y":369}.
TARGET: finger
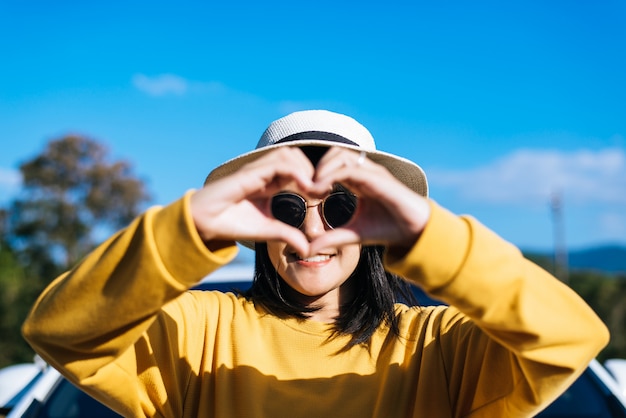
{"x":334,"y":239}
{"x":260,"y":178}
{"x":237,"y":206}
{"x":276,"y":169}
{"x":246,"y":222}
{"x":361,"y":175}
{"x":336,"y":159}
{"x":278,"y":231}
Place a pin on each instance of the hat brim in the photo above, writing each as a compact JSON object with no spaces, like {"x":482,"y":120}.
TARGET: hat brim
{"x":401,"y":168}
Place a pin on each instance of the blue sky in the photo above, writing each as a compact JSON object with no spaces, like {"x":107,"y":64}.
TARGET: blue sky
{"x":504,"y":104}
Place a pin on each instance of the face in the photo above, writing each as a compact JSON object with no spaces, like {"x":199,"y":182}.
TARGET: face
{"x":323,"y":276}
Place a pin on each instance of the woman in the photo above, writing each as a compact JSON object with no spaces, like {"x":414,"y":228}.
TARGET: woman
{"x":320,"y":332}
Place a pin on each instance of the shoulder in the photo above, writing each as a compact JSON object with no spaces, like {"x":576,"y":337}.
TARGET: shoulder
{"x":202,"y":304}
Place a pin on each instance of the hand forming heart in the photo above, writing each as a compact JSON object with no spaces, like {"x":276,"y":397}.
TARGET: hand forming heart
{"x":237,"y":207}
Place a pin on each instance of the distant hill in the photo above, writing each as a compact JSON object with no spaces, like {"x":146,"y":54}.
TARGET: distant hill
{"x":609,"y":258}
{"x":606,"y":258}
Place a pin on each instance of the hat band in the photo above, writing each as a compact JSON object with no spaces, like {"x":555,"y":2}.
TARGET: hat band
{"x":325,"y":136}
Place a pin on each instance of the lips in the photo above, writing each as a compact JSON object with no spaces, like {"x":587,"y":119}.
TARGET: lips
{"x":316,"y":258}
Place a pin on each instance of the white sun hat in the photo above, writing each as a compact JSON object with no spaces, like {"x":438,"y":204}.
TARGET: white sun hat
{"x":325,"y":129}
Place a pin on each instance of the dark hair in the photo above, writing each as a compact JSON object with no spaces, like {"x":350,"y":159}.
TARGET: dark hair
{"x":373,"y":303}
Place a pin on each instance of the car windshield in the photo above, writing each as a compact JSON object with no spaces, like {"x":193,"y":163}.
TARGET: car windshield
{"x":69,"y":402}
{"x":586,"y":398}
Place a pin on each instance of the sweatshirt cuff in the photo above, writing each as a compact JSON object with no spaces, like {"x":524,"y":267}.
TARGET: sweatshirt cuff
{"x":439,"y":253}
{"x":183,"y":253}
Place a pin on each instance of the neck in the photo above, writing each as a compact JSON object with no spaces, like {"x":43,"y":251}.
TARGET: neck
{"x":325,"y":313}
{"x":327,"y":305}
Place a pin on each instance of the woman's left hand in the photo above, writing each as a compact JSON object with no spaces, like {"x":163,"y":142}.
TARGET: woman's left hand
{"x":388,"y":212}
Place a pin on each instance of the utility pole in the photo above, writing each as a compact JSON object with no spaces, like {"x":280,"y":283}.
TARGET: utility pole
{"x":561,"y":263}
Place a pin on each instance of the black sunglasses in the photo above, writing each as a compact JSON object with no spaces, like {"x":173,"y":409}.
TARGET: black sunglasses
{"x":337,"y":208}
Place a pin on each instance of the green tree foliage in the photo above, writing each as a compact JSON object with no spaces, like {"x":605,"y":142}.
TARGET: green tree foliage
{"x":18,"y":289}
{"x":17,"y":292}
{"x":72,"y":196}
{"x":70,"y":191}
{"x":607,"y":296}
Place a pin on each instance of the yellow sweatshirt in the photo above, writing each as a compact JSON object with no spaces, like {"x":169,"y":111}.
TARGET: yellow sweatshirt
{"x":123,"y":326}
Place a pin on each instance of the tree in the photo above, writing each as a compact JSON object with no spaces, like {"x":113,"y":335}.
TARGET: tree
{"x":71,"y":192}
{"x":16,"y":296}
{"x":71,"y":196}
{"x":606,"y":294}
{"x":18,"y":289}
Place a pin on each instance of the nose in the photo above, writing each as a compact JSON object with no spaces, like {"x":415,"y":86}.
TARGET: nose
{"x":313,"y":225}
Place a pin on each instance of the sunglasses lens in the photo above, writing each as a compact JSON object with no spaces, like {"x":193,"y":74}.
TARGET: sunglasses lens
{"x":339,"y":208}
{"x":289,"y":208}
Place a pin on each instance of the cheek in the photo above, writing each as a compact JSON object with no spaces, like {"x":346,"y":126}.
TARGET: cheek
{"x":351,"y":257}
{"x":275,"y":251}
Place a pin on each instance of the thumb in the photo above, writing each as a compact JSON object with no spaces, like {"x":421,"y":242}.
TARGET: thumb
{"x":332,"y":239}
{"x":293,"y":237}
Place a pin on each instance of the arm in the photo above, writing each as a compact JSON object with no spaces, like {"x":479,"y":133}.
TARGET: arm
{"x":548,"y":333}
{"x":515,"y":337}
{"x":90,"y":315}
{"x":107,"y":324}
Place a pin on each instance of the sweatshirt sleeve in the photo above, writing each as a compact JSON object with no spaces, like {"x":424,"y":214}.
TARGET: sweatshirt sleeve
{"x":514,"y":306}
{"x":90,"y":315}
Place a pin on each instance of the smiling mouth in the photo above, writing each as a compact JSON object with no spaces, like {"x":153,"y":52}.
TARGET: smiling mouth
{"x":313,"y":259}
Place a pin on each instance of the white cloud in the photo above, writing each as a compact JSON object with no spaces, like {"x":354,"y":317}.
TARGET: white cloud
{"x":530,"y":177}
{"x":161,"y":85}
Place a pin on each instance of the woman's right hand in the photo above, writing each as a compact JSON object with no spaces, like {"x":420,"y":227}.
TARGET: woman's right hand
{"x":237,"y":207}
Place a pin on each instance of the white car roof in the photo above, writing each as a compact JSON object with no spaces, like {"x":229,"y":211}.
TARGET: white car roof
{"x":231,"y":273}
{"x":617,"y":368}
{"x":14,"y":378}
